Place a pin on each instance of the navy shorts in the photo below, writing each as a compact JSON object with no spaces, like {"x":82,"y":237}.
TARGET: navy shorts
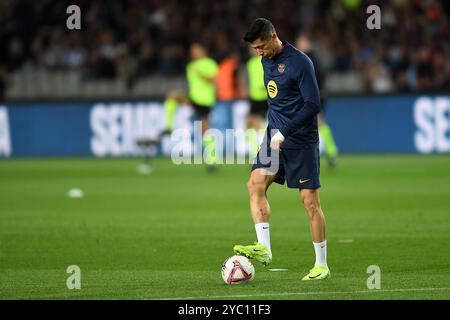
{"x":300,"y":168}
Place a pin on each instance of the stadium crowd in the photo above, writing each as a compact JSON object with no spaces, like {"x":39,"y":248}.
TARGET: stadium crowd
{"x":130,"y":39}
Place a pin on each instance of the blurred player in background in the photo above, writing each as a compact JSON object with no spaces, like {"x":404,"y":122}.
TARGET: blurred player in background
{"x":303,"y":43}
{"x":148,"y":145}
{"x":201,"y":74}
{"x":294,"y":102}
{"x":257,"y":95}
{"x":229,"y":82}
{"x":171,"y":103}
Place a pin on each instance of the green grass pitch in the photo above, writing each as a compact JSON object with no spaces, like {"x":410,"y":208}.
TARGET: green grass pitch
{"x":166,"y":234}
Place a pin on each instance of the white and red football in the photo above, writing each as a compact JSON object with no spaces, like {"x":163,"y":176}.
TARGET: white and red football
{"x":237,"y":270}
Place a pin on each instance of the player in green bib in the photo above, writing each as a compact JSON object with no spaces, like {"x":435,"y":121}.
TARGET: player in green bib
{"x":201,"y":72}
{"x":303,"y":43}
{"x":257,"y":95}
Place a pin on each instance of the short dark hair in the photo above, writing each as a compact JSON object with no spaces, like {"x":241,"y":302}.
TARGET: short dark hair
{"x":261,"y":28}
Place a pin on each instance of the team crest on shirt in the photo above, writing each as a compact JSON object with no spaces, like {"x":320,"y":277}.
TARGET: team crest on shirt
{"x":281,"y":67}
{"x":272,"y":89}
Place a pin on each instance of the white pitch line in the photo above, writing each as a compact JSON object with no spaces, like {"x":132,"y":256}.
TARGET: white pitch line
{"x":345,"y":241}
{"x":280,"y":294}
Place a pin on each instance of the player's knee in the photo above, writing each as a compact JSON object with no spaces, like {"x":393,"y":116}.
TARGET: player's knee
{"x":255,"y":186}
{"x":312,"y":207}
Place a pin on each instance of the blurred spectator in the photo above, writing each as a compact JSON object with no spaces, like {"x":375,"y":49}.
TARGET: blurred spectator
{"x":130,"y":38}
{"x":378,"y":77}
{"x":2,"y":83}
{"x":424,"y":69}
{"x":76,"y":54}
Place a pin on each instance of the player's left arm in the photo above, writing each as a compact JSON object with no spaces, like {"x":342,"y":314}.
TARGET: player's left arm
{"x":309,"y":90}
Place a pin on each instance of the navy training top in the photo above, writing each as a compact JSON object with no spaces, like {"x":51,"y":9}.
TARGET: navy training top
{"x":294,"y":97}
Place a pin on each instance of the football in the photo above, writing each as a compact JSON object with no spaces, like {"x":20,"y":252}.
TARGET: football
{"x":237,"y":270}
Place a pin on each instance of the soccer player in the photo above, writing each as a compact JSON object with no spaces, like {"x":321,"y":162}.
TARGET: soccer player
{"x":303,"y":44}
{"x":201,"y":74}
{"x":257,"y":95}
{"x":292,"y":134}
{"x":171,"y":103}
